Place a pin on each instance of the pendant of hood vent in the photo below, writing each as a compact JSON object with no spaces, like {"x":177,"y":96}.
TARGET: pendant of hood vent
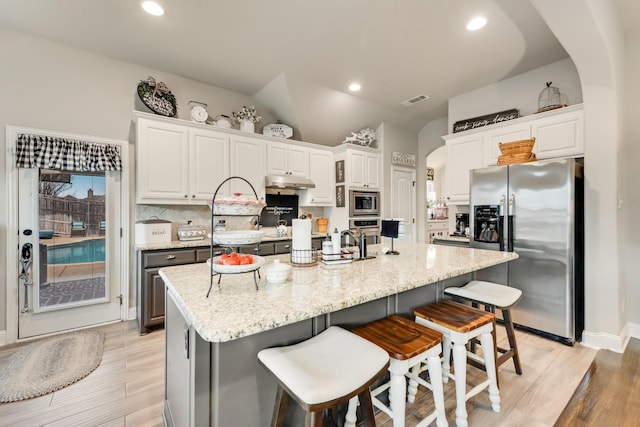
{"x":288,"y":181}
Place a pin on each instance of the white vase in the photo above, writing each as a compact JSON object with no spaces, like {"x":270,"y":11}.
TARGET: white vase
{"x":247,"y":126}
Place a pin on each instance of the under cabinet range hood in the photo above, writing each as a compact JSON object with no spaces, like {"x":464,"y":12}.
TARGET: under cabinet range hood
{"x":288,"y":181}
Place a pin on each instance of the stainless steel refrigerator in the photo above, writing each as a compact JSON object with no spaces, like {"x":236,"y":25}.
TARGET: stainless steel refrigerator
{"x":536,"y":210}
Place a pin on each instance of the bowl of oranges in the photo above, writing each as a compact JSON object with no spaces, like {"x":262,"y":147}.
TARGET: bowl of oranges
{"x":235,"y":263}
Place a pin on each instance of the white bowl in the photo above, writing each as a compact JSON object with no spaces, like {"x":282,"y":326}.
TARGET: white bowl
{"x":277,"y":272}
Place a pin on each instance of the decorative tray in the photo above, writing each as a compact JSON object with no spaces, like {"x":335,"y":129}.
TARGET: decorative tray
{"x":258,"y":261}
{"x":237,"y":237}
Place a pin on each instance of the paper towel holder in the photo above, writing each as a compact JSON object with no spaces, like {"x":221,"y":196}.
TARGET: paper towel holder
{"x":304,"y":257}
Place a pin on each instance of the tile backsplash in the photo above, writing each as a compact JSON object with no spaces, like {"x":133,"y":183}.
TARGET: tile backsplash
{"x":201,"y":215}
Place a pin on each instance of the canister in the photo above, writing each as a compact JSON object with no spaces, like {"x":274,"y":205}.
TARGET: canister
{"x":152,"y":231}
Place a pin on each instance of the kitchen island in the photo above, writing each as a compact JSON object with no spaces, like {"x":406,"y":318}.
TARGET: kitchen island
{"x":212,"y":374}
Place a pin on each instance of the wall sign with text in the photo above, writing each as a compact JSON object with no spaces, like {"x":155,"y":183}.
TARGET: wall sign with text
{"x":489,"y":119}
{"x":403,"y":159}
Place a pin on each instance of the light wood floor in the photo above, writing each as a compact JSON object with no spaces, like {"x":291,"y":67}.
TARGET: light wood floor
{"x":608,"y":393}
{"x":127,"y":388}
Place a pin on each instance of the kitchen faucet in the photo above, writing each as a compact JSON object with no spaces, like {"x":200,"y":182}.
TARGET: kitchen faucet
{"x":360,"y":243}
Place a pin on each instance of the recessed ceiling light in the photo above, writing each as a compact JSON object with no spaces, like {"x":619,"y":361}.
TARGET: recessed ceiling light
{"x":153,"y":8}
{"x":354,"y":87}
{"x":476,"y":23}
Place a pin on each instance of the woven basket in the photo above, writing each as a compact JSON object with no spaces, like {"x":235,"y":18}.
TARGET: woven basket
{"x":523,"y":146}
{"x":516,"y":158}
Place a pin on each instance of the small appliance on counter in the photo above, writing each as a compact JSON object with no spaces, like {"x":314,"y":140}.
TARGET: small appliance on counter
{"x":153,"y":230}
{"x":462,"y":223}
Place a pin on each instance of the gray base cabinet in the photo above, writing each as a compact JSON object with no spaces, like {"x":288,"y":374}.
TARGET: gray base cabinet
{"x":150,"y":297}
{"x":223,"y":384}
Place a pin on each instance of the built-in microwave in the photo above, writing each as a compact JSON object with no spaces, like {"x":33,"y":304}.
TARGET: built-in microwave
{"x":364,"y":203}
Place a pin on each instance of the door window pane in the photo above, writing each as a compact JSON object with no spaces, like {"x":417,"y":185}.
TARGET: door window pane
{"x":72,"y":237}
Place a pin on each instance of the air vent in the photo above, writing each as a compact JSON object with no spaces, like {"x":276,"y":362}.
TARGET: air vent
{"x":415,"y":100}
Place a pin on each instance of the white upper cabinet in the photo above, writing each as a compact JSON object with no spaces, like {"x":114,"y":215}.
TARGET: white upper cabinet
{"x":464,"y":153}
{"x":559,"y":135}
{"x":362,"y":169}
{"x":178,"y":165}
{"x":209,"y":164}
{"x":162,"y":162}
{"x":492,"y":139}
{"x":321,"y":174}
{"x":247,"y":161}
{"x":287,"y":159}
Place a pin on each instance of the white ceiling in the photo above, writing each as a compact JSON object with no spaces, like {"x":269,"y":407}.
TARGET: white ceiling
{"x":297,"y":57}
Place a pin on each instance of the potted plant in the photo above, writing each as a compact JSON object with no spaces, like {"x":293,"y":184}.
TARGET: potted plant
{"x":247,"y":118}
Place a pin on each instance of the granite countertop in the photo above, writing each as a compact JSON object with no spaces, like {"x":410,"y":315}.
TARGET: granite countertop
{"x":235,"y":309}
{"x":269,"y":236}
{"x":452,"y":238}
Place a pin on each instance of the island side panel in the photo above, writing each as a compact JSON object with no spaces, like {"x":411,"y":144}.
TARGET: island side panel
{"x":243,"y":392}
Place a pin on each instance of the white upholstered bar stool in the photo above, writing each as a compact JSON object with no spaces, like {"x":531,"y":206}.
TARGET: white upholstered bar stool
{"x":323,"y":372}
{"x":492,"y":296}
{"x":408,"y":344}
{"x":458,"y":324}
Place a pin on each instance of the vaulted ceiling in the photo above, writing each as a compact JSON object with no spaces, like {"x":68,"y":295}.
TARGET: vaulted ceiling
{"x":298,"y":57}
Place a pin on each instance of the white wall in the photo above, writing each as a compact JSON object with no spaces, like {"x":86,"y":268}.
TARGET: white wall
{"x":519,"y":92}
{"x":48,"y":86}
{"x":590,"y":33}
{"x":629,"y":172}
{"x":429,"y":139}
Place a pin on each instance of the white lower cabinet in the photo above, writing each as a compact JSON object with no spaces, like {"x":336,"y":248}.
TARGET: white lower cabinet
{"x":437,"y":229}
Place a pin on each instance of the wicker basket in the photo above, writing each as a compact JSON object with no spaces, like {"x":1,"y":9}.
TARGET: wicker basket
{"x":523,"y":146}
{"x":516,"y":158}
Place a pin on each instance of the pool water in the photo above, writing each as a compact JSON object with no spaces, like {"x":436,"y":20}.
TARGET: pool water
{"x":71,"y":253}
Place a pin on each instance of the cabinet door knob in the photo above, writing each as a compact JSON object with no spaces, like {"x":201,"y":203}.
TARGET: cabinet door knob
{"x":186,"y":195}
{"x":193,"y":196}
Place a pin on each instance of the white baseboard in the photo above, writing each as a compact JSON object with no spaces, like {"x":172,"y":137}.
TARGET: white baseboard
{"x":617,"y":343}
{"x":3,"y":338}
{"x":132,"y":314}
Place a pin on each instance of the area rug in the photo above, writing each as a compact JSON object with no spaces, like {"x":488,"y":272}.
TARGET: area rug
{"x":50,"y":364}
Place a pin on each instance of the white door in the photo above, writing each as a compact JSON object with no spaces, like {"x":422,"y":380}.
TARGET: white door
{"x":67,"y":271}
{"x":403,"y":199}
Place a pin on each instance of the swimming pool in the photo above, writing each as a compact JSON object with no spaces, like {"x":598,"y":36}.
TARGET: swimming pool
{"x":92,"y":250}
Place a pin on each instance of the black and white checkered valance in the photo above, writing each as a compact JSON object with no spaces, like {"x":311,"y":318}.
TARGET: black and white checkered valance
{"x":46,"y":152}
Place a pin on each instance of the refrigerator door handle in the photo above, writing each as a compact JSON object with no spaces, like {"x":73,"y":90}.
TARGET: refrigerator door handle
{"x":501,"y":230}
{"x":512,"y":203}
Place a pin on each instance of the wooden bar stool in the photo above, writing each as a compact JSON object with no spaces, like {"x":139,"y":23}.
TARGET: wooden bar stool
{"x":492,"y":296}
{"x":459,"y":324}
{"x":323,"y":372}
{"x":408,"y":344}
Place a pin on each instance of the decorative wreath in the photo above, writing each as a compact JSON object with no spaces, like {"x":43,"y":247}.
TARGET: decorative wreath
{"x":157,"y":97}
